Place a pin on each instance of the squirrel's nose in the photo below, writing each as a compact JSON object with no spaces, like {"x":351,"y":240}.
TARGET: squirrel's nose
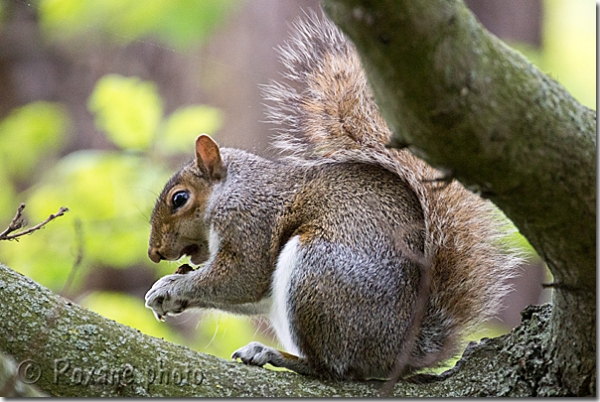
{"x":155,"y":255}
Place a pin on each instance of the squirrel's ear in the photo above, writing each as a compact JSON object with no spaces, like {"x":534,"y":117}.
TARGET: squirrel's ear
{"x":208,"y":157}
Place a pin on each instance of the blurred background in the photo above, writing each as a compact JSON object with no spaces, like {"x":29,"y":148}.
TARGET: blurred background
{"x":101,"y":100}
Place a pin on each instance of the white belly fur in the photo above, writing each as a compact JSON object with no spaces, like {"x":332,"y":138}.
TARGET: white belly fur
{"x":286,"y":263}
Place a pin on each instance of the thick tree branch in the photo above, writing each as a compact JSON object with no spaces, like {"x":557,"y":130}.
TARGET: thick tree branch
{"x":465,"y":101}
{"x":80,"y":353}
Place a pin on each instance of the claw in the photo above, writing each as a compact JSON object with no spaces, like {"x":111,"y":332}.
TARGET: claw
{"x":159,"y":317}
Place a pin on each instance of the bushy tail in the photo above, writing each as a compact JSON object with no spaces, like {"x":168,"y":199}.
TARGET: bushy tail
{"x":333,"y":117}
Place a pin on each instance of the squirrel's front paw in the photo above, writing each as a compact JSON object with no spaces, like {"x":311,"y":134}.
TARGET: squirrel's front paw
{"x":166,"y":296}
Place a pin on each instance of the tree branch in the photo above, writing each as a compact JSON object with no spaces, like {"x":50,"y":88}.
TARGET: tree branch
{"x":466,"y":102}
{"x":79,"y":353}
{"x":18,"y":222}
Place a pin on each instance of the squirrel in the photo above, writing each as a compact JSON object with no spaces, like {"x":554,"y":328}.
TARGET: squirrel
{"x":329,"y":239}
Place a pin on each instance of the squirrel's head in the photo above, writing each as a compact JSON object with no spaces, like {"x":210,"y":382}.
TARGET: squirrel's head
{"x":178,"y":226}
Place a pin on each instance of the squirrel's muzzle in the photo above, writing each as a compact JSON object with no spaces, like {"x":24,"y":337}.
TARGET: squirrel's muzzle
{"x":154,"y":255}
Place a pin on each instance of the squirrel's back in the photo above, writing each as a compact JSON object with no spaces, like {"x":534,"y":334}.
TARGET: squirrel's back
{"x":334,"y":118}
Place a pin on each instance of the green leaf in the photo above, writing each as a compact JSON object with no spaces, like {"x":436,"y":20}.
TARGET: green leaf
{"x":30,"y":133}
{"x":127,"y":109}
{"x":185,"y":124}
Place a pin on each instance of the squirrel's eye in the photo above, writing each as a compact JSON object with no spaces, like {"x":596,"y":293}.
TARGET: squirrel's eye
{"x":180,"y":198}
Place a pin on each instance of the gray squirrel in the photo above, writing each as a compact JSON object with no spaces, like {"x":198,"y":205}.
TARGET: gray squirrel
{"x":329,"y":239}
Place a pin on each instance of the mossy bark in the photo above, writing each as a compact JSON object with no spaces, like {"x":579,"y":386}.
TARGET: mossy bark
{"x":464,"y":101}
{"x":71,"y":351}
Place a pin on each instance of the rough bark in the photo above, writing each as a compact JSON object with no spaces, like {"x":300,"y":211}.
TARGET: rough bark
{"x":466,"y":102}
{"x":79,"y":353}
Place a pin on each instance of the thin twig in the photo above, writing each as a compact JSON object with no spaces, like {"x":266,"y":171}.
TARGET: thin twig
{"x":77,"y":263}
{"x":18,"y":223}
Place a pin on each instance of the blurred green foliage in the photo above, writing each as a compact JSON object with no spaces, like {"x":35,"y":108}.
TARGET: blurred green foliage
{"x":570,"y":46}
{"x":184,"y":123}
{"x":128,"y":110}
{"x":29,"y":136}
{"x":111,"y":193}
{"x":40,"y":126}
{"x":182,"y":24}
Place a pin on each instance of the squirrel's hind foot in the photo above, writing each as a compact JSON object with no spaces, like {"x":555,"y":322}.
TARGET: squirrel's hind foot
{"x":257,"y":354}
